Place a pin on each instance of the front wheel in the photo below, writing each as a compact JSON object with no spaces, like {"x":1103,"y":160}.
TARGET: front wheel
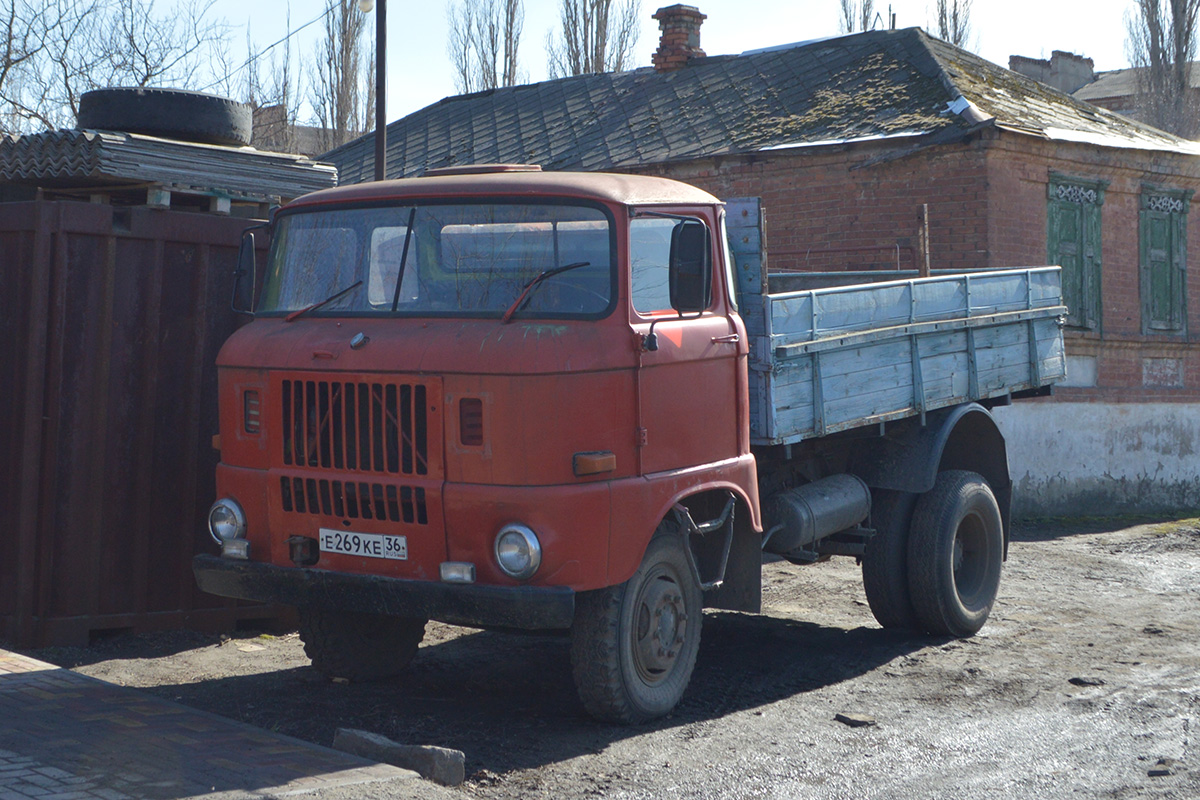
{"x":955,"y":546}
{"x":633,"y":646}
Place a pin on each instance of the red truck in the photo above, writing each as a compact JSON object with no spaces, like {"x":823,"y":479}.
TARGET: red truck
{"x":514,"y":399}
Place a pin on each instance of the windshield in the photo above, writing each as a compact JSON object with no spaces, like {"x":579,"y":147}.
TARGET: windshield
{"x":458,"y":260}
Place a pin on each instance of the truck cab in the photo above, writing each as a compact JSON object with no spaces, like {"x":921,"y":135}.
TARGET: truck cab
{"x":473,"y":397}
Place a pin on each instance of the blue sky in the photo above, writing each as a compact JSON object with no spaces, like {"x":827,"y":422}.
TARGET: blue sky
{"x":419,"y":71}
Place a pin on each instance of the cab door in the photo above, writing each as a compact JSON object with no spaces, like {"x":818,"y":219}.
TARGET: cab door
{"x":687,"y":382}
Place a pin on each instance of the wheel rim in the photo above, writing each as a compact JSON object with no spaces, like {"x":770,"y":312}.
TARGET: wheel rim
{"x":659,"y":626}
{"x":971,"y":560}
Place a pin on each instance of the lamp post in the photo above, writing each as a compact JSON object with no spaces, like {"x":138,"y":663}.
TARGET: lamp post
{"x":365,"y":6}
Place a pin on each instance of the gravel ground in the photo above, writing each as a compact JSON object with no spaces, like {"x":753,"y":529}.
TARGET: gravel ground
{"x":1085,"y":682}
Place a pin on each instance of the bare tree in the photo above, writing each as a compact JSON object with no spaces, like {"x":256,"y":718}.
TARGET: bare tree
{"x":274,"y":102}
{"x":595,"y":36}
{"x":66,"y":47}
{"x":141,"y":48}
{"x":1162,"y":43}
{"x":954,"y":21}
{"x":24,"y":41}
{"x":484,"y":38}
{"x":61,"y":45}
{"x":857,"y":15}
{"x":340,"y":85}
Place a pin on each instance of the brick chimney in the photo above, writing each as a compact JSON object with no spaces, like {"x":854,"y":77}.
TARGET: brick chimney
{"x":1066,"y":72}
{"x":680,"y":37}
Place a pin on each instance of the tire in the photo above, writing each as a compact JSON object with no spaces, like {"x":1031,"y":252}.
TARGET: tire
{"x":885,"y":563}
{"x":170,"y":113}
{"x":359,"y":647}
{"x":621,"y":672}
{"x":955,"y":548}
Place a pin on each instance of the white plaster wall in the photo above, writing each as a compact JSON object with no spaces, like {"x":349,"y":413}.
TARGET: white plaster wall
{"x":1102,"y":458}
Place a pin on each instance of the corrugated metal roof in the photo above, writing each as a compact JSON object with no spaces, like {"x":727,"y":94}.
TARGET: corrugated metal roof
{"x":101,"y":159}
{"x":876,"y":85}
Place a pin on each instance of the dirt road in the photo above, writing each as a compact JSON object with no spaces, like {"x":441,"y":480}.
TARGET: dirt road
{"x":1085,"y":683}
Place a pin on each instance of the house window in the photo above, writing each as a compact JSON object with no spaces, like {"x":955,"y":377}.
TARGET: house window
{"x":1073,"y":242}
{"x":1163,"y":258}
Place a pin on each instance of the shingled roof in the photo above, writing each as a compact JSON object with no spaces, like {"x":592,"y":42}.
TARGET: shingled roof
{"x":881,"y":84}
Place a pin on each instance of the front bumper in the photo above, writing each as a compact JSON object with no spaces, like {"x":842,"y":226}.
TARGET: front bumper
{"x":523,"y":607}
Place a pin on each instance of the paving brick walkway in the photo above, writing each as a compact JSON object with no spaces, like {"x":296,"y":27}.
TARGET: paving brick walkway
{"x":65,"y":736}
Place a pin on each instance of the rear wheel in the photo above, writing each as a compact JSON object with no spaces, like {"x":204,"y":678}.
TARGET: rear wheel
{"x":885,"y":563}
{"x":633,"y":646}
{"x":359,"y":647}
{"x":955,"y":548}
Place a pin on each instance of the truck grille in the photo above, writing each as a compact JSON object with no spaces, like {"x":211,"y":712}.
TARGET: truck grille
{"x":356,"y":427}
{"x":353,"y":500}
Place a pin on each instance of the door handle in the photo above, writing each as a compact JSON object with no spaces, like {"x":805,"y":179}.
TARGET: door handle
{"x":729,"y":338}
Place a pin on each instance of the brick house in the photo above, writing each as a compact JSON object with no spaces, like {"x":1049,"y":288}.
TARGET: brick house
{"x":845,"y":140}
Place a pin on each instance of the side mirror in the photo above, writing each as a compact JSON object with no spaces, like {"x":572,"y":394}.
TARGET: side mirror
{"x":245,"y":277}
{"x":690,"y":272}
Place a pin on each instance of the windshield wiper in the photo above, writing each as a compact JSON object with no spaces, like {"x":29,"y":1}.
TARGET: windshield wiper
{"x":527,"y":289}
{"x":295,"y":315}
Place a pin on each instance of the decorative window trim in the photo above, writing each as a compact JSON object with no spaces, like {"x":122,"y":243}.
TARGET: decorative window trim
{"x":1164,"y":199}
{"x":1070,"y":189}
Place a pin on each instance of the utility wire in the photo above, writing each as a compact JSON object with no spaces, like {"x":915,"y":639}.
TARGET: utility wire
{"x":255,"y":56}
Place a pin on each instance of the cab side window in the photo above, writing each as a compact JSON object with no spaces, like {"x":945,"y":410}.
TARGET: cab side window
{"x":649,"y":262}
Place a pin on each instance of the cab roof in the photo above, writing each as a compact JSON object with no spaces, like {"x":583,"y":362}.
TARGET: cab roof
{"x":600,"y":186}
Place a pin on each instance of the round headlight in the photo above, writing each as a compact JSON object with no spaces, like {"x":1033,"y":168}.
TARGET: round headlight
{"x":226,"y":520}
{"x":518,"y":552}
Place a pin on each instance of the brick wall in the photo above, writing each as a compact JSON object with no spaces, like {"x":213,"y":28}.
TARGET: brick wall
{"x":829,"y":209}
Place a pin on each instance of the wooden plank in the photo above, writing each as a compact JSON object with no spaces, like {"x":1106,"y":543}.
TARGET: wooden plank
{"x":877,"y":306}
{"x":794,"y":423}
{"x":1045,"y":288}
{"x":918,"y":377}
{"x":791,"y":317}
{"x":32,"y":384}
{"x":842,"y":339}
{"x":940,"y":343}
{"x":945,"y":379}
{"x":972,"y":375}
{"x":941,"y":299}
{"x":861,"y":368}
{"x":862,"y":405}
{"x":992,"y":294}
{"x":743,"y":224}
{"x":793,"y":387}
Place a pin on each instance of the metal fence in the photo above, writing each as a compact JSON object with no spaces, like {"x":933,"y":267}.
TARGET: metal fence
{"x":110,"y":322}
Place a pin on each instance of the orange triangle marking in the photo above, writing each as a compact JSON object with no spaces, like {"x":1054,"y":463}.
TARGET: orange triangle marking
{"x":674,"y":335}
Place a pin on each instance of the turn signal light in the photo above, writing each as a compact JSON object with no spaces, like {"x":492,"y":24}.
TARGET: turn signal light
{"x":593,"y":463}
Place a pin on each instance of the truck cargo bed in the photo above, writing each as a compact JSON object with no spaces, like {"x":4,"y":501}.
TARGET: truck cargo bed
{"x":830,"y":359}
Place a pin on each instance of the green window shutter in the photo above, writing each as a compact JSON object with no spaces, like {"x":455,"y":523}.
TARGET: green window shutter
{"x":1073,"y":243}
{"x":1162,"y":244}
{"x":1065,"y":240}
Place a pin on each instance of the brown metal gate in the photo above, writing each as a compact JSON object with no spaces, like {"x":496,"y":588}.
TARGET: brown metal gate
{"x":110,"y":322}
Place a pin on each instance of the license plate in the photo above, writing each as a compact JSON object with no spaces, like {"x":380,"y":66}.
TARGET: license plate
{"x":371,"y":545}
